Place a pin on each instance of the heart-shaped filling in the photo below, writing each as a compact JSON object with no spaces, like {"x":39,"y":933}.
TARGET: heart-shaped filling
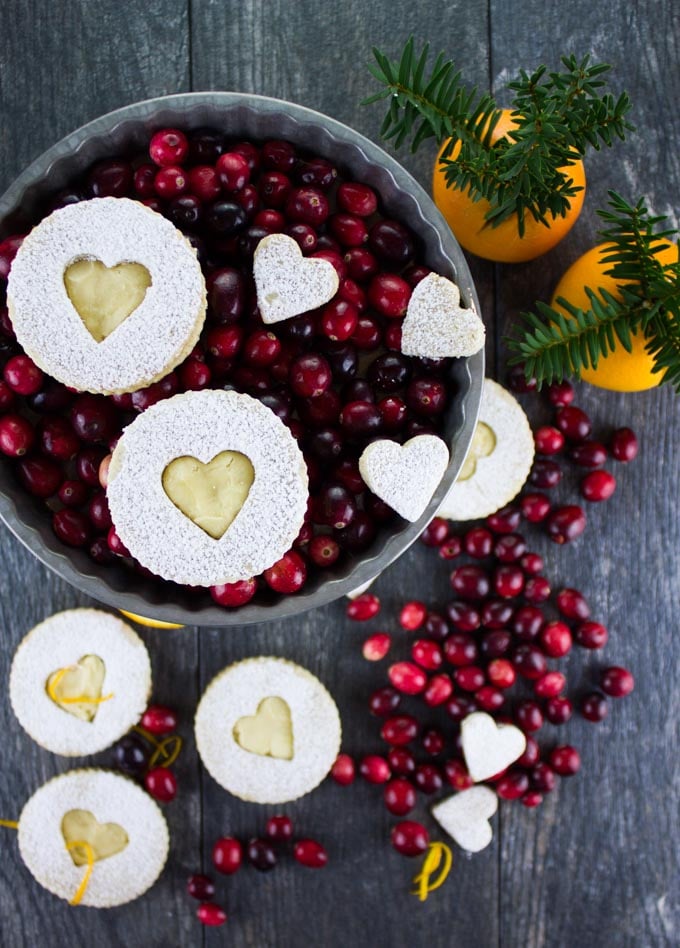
{"x":483,"y":444}
{"x":488,"y":747}
{"x":406,"y":475}
{"x":104,"y":839}
{"x":212,"y":494}
{"x":289,"y":284}
{"x":268,"y":732}
{"x":104,"y":296}
{"x":465,"y":817}
{"x":77,"y":688}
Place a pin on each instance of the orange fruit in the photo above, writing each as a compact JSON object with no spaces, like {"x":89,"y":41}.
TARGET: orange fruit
{"x":466,"y":217}
{"x":151,"y":623}
{"x":620,"y":371}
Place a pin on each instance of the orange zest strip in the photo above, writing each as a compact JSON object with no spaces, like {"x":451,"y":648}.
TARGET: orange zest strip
{"x":162,"y":756}
{"x":11,"y":824}
{"x":81,"y":699}
{"x":147,"y":735}
{"x":89,"y":853}
{"x":438,"y":858}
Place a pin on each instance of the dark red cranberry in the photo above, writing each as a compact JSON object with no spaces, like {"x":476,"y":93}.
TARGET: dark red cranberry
{"x":389,"y":295}
{"x":22,"y":375}
{"x":288,"y":575}
{"x":572,"y":604}
{"x":351,"y":292}
{"x":321,"y":411}
{"x":460,"y":649}
{"x":361,"y":264}
{"x":278,"y":154}
{"x":349,"y":231}
{"x":334,"y":507}
{"x":558,"y":710}
{"x":531,"y":753}
{"x":531,"y":799}
{"x":279,"y":828}
{"x":535,"y":507}
{"x":98,"y":512}
{"x":556,"y":639}
{"x":233,"y":171}
{"x":40,"y":476}
{"x":529,"y":661}
{"x":6,"y":398}
{"x":548,"y":440}
{"x":543,"y":778}
{"x":573,"y":423}
{"x":307,"y":206}
{"x":159,"y":719}
{"x":518,"y":381}
{"x":433,"y":742}
{"x":617,"y":682}
{"x":426,"y":396}
{"x":624,"y":445}
{"x":509,"y":548}
{"x":450,"y":549}
{"x":58,"y":439}
{"x":436,"y":532}
{"x":496,"y":614}
{"x":591,"y":635}
{"x":594,"y":707}
{"x":399,"y":796}
{"x":560,"y":393}
{"x":389,"y":372}
{"x":343,"y":360}
{"x":323,"y":550}
{"x":393,"y":336}
{"x":463,"y":616}
{"x":110,"y":179}
{"x":94,"y":419}
{"x":204,"y":182}
{"x":339,"y":320}
{"x":529,"y":716}
{"x":73,"y":494}
{"x":537,"y":590}
{"x":161,"y":784}
{"x":115,"y":543}
{"x":385,"y":700}
{"x":565,"y":760}
{"x":359,"y":534}
{"x":72,"y":527}
{"x":469,"y":678}
{"x":508,"y":581}
{"x":170,"y":182}
{"x":200,"y":887}
{"x":401,"y":761}
{"x":527,"y":623}
{"x":505,"y":520}
{"x":545,"y":473}
{"x":261,"y":855}
{"x":316,"y":172}
{"x":226,"y":295}
{"x":598,"y":486}
{"x":513,"y":785}
{"x":470,"y":582}
{"x":131,"y":755}
{"x":361,"y":419}
{"x":428,"y":778}
{"x":589,"y":454}
{"x":391,"y":241}
{"x":478,"y":542}
{"x":532,"y":563}
{"x":309,"y":853}
{"x":459,"y":707}
{"x":374,"y":769}
{"x":88,"y":462}
{"x":367,"y":334}
{"x":8,"y":251}
{"x":436,"y":626}
{"x":456,"y":774}
{"x":496,"y":643}
{"x":489,"y":698}
{"x":274,"y":188}
{"x":225,"y":218}
{"x":565,"y":524}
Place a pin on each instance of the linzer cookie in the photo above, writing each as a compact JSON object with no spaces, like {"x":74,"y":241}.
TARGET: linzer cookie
{"x":436,"y":326}
{"x":405,"y":475}
{"x":289,"y":284}
{"x":106,"y":295}
{"x":207,"y":487}
{"x":93,"y":838}
{"x":267,"y":730}
{"x":79,"y":681}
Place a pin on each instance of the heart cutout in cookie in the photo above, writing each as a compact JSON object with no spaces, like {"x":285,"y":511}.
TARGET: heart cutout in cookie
{"x":104,"y":296}
{"x":77,"y":689}
{"x":268,"y":732}
{"x":212,"y":494}
{"x":483,"y":445}
{"x":465,"y":817}
{"x":287,"y":283}
{"x":405,"y":475}
{"x":436,"y":326}
{"x":104,"y":839}
{"x":489,"y":748}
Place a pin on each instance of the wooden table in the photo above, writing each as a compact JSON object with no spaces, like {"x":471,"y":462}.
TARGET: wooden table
{"x":595,"y":864}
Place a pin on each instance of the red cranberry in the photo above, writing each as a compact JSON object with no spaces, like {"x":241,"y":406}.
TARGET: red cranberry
{"x":194,"y":375}
{"x":558,"y":710}
{"x":98,"y":512}
{"x":72,"y":527}
{"x":357,"y":199}
{"x":161,"y":783}
{"x":505,"y":520}
{"x":509,"y":548}
{"x":349,"y":231}
{"x":617,"y":682}
{"x":591,"y":635}
{"x":94,"y":418}
{"x":426,"y":396}
{"x":560,"y":393}
{"x":535,"y":507}
{"x":427,"y":654}
{"x":391,"y":241}
{"x":409,"y":838}
{"x":496,"y":614}
{"x":501,"y":673}
{"x":463,"y":616}
{"x":556,"y":639}
{"x":8,"y":251}
{"x":489,"y":699}
{"x":456,"y":775}
{"x":527,"y":623}
{"x":460,"y":649}
{"x":573,"y":423}
{"x":307,"y":206}
{"x":361,"y":419}
{"x":261,"y":855}
{"x":594,"y":707}
{"x":565,"y":524}
{"x":279,"y":828}
{"x":323,"y":550}
{"x":529,"y":661}
{"x":478,"y":542}
{"x":412,"y":615}
{"x":407,"y":677}
{"x":433,"y":742}
{"x":537,"y":590}
{"x":470,"y":678}
{"x":549,"y":685}
{"x":16,"y":435}
{"x":389,"y":295}
{"x":22,"y":375}
{"x":401,"y":761}
{"x":170,"y":182}
{"x":363,"y":607}
{"x":531,"y":753}
{"x":157,"y":719}
{"x":384,"y":701}
{"x":204,"y":182}
{"x":532,"y":563}
{"x":450,"y":549}
{"x":200,"y":887}
{"x":316,"y":172}
{"x":598,"y":486}
{"x":73,"y":493}
{"x":399,"y":796}
{"x":234,"y":594}
{"x":428,"y":778}
{"x":545,"y":473}
{"x":590,"y":454}
{"x":438,"y":690}
{"x":233,"y":170}
{"x":374,"y":769}
{"x":261,"y":348}
{"x":572,"y":604}
{"x":288,"y":575}
{"x":459,"y":707}
{"x":624,"y":445}
{"x":543,"y":778}
{"x":40,"y":476}
{"x":529,"y":716}
{"x":274,"y":188}
{"x":565,"y":760}
{"x":343,"y":771}
{"x":518,"y":381}
{"x":513,"y":785}
{"x":211,"y":914}
{"x":169,"y":146}
{"x":339,"y":320}
{"x":470,"y":582}
{"x":508,"y":581}
{"x":361,"y":264}
{"x":548,"y":440}
{"x":531,"y":799}
{"x":436,"y":532}
{"x":309,"y":853}
{"x":110,"y":179}
{"x":115,"y":543}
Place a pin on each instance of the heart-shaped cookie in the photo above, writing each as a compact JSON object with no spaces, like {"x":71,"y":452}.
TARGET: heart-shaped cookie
{"x":77,"y":689}
{"x":488,"y":747}
{"x":287,"y":283}
{"x":104,"y":296}
{"x":210,"y":494}
{"x":104,"y":839}
{"x":465,"y":817}
{"x":405,"y":475}
{"x":268,"y":732}
{"x":436,"y":326}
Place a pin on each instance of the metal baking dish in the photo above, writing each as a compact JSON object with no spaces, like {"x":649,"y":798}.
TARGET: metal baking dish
{"x":259,"y":118}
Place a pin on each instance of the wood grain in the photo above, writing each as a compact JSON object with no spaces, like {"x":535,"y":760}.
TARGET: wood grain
{"x":595,"y":864}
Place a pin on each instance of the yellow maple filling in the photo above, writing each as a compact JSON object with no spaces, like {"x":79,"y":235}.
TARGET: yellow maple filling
{"x":268,"y":732}
{"x":483,"y":444}
{"x":104,"y":296}
{"x":104,"y":839}
{"x":210,"y":494}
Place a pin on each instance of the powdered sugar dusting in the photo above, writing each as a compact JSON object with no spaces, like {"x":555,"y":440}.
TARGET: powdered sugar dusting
{"x":405,"y":476}
{"x":236,"y":692}
{"x":111,"y":799}
{"x":155,"y":338}
{"x":201,"y":425}
{"x":289,"y":284}
{"x":436,"y":326}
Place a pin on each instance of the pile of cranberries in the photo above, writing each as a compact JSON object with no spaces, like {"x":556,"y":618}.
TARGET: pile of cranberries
{"x":494,"y":646}
{"x":148,"y":751}
{"x":335,"y":376}
{"x":262,"y":853}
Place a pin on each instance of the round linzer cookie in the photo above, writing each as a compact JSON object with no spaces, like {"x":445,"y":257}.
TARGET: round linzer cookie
{"x":106,"y":295}
{"x":207,"y":487}
{"x":498,"y":461}
{"x":79,"y":681}
{"x":267,"y":730}
{"x":94,"y":838}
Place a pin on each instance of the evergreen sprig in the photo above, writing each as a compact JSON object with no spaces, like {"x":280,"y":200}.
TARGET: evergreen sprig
{"x":558,"y":113}
{"x":647,"y":300}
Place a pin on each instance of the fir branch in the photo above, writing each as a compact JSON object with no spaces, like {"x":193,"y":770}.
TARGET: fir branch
{"x":559,"y":114}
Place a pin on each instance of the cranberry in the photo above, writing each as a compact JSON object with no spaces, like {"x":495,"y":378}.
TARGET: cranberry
{"x":278,"y":154}
{"x":496,"y":643}
{"x":94,"y":418}
{"x":393,"y":336}
{"x":548,"y":440}
{"x":438,"y":690}
{"x":399,"y":796}
{"x":509,"y":548}
{"x":40,"y":476}
{"x":532,"y":799}
{"x":624,"y":445}
{"x":374,"y":769}
{"x":433,"y":742}
{"x":8,"y":251}
{"x":594,"y":707}
{"x":350,"y":231}
{"x":391,"y":241}
{"x":496,"y":614}
{"x":531,"y":563}
{"x":110,"y":179}
{"x":309,"y":853}
{"x":450,"y":549}
{"x":115,"y":543}
{"x":401,"y":761}
{"x":460,"y":649}
{"x":428,"y":778}
{"x":560,"y":393}
{"x":508,"y":581}
{"x":316,"y":172}
{"x":169,"y":146}
{"x":16,"y":435}
{"x":279,"y":828}
{"x":204,"y":182}
{"x":339,"y":320}
{"x":470,"y":582}
{"x":22,"y":375}
{"x":459,"y":707}
{"x":233,"y":170}
{"x":426,"y":396}
{"x":334,"y":507}
{"x":389,"y":372}
{"x":529,"y":661}
{"x":332,"y":256}
{"x":531,"y":753}
{"x":529,"y":716}
{"x":436,"y":626}
{"x":157,"y":719}
{"x":518,"y":381}
{"x":501,"y":673}
{"x":556,"y":639}
{"x":545,"y":473}
{"x":170,"y":182}
{"x":343,"y":771}
{"x":527,"y":623}
{"x":412,"y":615}
{"x":161,"y":783}
{"x":407,"y":677}
{"x":565,"y":524}
{"x":489,"y":699}
{"x":505,"y":520}
{"x":436,"y":532}
{"x":72,"y":527}
{"x":537,"y":590}
{"x":478,"y":542}
{"x":363,"y":607}
{"x":261,"y":855}
{"x":591,"y":635}
{"x":469,"y":678}
{"x":98,"y":512}
{"x":200,"y":887}
{"x":274,"y":188}
{"x":513,"y":785}
{"x":535,"y":507}
{"x":361,"y":419}
{"x":384,"y":701}
{"x":617,"y":682}
{"x":598,"y":486}
{"x":323,"y":551}
{"x":211,"y":914}
{"x":226,"y":295}
{"x":565,"y":760}
{"x":543,"y":778}
{"x":6,"y":397}
{"x":590,"y":454}
{"x":131,"y":755}
{"x":357,"y":199}
{"x":288,"y":575}
{"x":549,"y":685}
{"x":572,"y":604}
{"x":558,"y":710}
{"x":234,"y":594}
{"x":427,"y":654}
{"x":361,"y":264}
{"x":389,"y":295}
{"x":73,"y":493}
{"x":463,"y":616}
{"x":307,"y":206}
{"x":573,"y":423}
{"x":456,"y":775}
{"x":393,"y":413}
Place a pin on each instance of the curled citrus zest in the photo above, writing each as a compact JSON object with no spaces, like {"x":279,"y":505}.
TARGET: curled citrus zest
{"x":80,"y":699}
{"x":89,"y":853}
{"x":147,"y":735}
{"x":438,"y":857}
{"x":11,"y":824}
{"x":162,"y":757}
